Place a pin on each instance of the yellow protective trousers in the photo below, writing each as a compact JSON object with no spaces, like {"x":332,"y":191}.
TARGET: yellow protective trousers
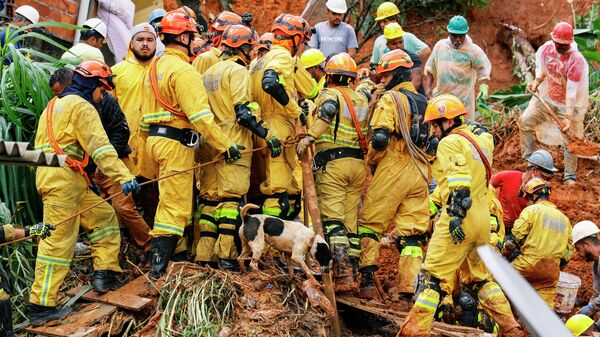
{"x":174,"y":211}
{"x":339,"y":186}
{"x":542,"y":274}
{"x":205,"y":232}
{"x":399,"y":193}
{"x":64,"y":193}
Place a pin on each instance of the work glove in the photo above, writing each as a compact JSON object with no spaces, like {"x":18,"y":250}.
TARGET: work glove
{"x":566,"y":124}
{"x":445,"y":313}
{"x":303,"y":145}
{"x":483,"y":92}
{"x":232,"y":154}
{"x":304,"y":111}
{"x":533,"y":85}
{"x":43,"y":230}
{"x":275,"y":146}
{"x":586,"y":310}
{"x":130,"y":186}
{"x":456,"y":232}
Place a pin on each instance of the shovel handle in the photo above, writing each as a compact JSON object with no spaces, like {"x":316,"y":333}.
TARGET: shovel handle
{"x":553,"y":114}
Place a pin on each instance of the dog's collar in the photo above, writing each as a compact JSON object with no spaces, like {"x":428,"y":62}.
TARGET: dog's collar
{"x":311,"y":241}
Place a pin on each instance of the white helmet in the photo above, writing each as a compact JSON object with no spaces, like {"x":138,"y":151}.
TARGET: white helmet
{"x":583,"y":229}
{"x":97,"y":25}
{"x":337,"y":6}
{"x":28,"y":13}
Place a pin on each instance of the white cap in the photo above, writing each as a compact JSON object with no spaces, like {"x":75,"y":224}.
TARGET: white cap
{"x":337,"y":6}
{"x":97,"y":25}
{"x":143,"y":27}
{"x":583,"y":229}
{"x":28,"y":13}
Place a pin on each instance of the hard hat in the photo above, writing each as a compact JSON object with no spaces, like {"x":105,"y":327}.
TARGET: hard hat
{"x":562,"y":33}
{"x":265,"y":41}
{"x":578,"y":324}
{"x":444,"y":106}
{"x":288,"y":25}
{"x":337,"y":6}
{"x":97,"y":25}
{"x":393,"y":60}
{"x":187,"y":11}
{"x":458,"y":25}
{"x":176,"y":23}
{"x":312,"y":57}
{"x":96,"y":69}
{"x":156,"y":14}
{"x":583,"y":229}
{"x":393,"y":31}
{"x":535,"y":186}
{"x":28,"y":13}
{"x":237,"y":35}
{"x":543,"y":159}
{"x":224,"y":20}
{"x":385,"y":10}
{"x":341,"y":64}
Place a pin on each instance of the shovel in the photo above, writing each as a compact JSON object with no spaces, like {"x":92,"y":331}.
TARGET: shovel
{"x":574,"y":145}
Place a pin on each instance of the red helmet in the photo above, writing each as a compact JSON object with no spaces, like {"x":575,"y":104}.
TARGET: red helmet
{"x":288,"y":25}
{"x":98,"y":70}
{"x":177,"y":22}
{"x":236,"y":36}
{"x":224,"y":20}
{"x":562,"y":33}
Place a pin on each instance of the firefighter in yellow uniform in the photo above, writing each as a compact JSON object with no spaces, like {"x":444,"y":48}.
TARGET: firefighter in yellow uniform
{"x":543,"y":234}
{"x":228,"y":86}
{"x":396,"y":150}
{"x":340,"y":164}
{"x":463,"y":169}
{"x":216,"y":29}
{"x":70,"y":125}
{"x":178,"y":110}
{"x":276,"y":83}
{"x":261,"y":48}
{"x":314,"y":62}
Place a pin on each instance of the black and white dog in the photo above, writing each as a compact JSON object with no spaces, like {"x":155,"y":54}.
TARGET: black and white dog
{"x":289,"y":237}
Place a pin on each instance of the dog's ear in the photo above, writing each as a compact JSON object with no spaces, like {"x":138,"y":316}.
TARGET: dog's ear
{"x":322,"y":254}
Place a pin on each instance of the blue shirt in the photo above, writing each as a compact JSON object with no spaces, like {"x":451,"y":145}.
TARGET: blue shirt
{"x":333,"y":40}
{"x":5,"y":35}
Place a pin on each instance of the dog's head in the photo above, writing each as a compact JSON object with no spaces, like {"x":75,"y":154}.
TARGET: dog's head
{"x":320,"y":251}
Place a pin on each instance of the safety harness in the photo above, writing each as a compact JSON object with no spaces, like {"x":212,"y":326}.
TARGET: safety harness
{"x":74,"y":164}
{"x":159,"y":97}
{"x":486,"y":163}
{"x":362,"y":140}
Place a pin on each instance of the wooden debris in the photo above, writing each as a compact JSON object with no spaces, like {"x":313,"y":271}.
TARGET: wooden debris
{"x":117,"y":298}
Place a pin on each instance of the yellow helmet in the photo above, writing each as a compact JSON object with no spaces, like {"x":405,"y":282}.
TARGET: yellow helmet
{"x":385,"y":10}
{"x":534,"y":186}
{"x":393,"y":31}
{"x":577,"y":324}
{"x":444,"y":106}
{"x":341,"y":64}
{"x":312,"y":57}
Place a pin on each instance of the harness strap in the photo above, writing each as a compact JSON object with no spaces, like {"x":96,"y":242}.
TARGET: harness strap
{"x":161,"y":99}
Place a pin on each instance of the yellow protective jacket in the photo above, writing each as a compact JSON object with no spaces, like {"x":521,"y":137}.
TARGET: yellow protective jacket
{"x":228,"y":84}
{"x":292,"y":76}
{"x":129,"y":79}
{"x":340,"y":132}
{"x":77,"y":130}
{"x":182,"y":86}
{"x":7,"y":233}
{"x":496,"y":218}
{"x":544,"y":232}
{"x":207,"y":59}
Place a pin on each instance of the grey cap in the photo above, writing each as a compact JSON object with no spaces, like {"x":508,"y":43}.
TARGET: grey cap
{"x":543,"y":159}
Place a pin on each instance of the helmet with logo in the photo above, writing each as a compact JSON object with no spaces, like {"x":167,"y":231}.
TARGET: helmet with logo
{"x":562,"y":33}
{"x":444,"y":106}
{"x":341,"y":64}
{"x":96,"y":69}
{"x":288,"y":25}
{"x":535,"y":186}
{"x":176,"y":22}
{"x":385,"y":10}
{"x":393,"y":60}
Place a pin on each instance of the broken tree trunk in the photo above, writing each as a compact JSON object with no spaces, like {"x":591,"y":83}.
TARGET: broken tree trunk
{"x":311,"y":203}
{"x":523,"y":53}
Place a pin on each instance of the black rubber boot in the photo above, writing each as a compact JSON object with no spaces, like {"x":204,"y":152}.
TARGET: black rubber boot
{"x":161,"y":251}
{"x":39,"y":314}
{"x":354,"y":264}
{"x":230,"y":265}
{"x":367,"y":283}
{"x":6,"y":327}
{"x":105,"y":281}
{"x":342,"y":266}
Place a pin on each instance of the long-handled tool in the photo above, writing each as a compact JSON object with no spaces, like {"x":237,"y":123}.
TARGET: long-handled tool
{"x":142,"y":184}
{"x":575,"y":145}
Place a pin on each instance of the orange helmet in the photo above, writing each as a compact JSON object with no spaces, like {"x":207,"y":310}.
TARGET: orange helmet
{"x":535,"y":186}
{"x":236,"y":36}
{"x":288,"y":25}
{"x":341,"y":64}
{"x":393,"y":60}
{"x":187,"y":11}
{"x":198,"y":47}
{"x":177,"y":22}
{"x":96,"y":69}
{"x":265,"y":41}
{"x":223,"y":20}
{"x":444,"y":106}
